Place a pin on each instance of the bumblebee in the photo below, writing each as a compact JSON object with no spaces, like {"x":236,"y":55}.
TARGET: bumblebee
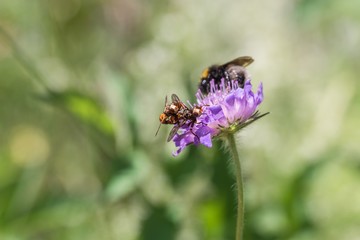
{"x":230,"y":71}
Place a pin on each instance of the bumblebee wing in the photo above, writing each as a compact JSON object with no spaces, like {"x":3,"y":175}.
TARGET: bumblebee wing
{"x":173,"y":132}
{"x":243,"y":61}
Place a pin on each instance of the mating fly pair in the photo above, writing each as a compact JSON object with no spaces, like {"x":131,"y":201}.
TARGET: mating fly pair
{"x":178,"y":114}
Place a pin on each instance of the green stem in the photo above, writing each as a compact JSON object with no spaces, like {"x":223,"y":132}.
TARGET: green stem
{"x":240,"y":198}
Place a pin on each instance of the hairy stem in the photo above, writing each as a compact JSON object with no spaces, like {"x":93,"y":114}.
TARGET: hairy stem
{"x":240,"y":198}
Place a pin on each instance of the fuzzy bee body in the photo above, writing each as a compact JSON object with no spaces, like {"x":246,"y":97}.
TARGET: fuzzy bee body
{"x":231,"y":71}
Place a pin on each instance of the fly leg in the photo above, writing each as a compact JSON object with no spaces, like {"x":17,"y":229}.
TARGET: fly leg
{"x":191,"y":130}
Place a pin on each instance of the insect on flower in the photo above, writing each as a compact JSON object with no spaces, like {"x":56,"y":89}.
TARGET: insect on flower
{"x":230,"y":71}
{"x":229,"y":108}
{"x":178,"y":114}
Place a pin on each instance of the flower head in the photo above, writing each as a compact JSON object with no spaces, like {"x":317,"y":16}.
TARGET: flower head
{"x":227,"y":108}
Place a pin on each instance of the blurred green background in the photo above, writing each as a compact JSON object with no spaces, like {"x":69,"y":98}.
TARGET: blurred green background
{"x":82,"y":83}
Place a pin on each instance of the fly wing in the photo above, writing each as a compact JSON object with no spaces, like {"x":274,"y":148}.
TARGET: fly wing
{"x":173,"y":132}
{"x":176,"y":99}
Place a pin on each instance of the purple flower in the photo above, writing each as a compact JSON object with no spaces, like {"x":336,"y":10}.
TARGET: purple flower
{"x":227,"y":108}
